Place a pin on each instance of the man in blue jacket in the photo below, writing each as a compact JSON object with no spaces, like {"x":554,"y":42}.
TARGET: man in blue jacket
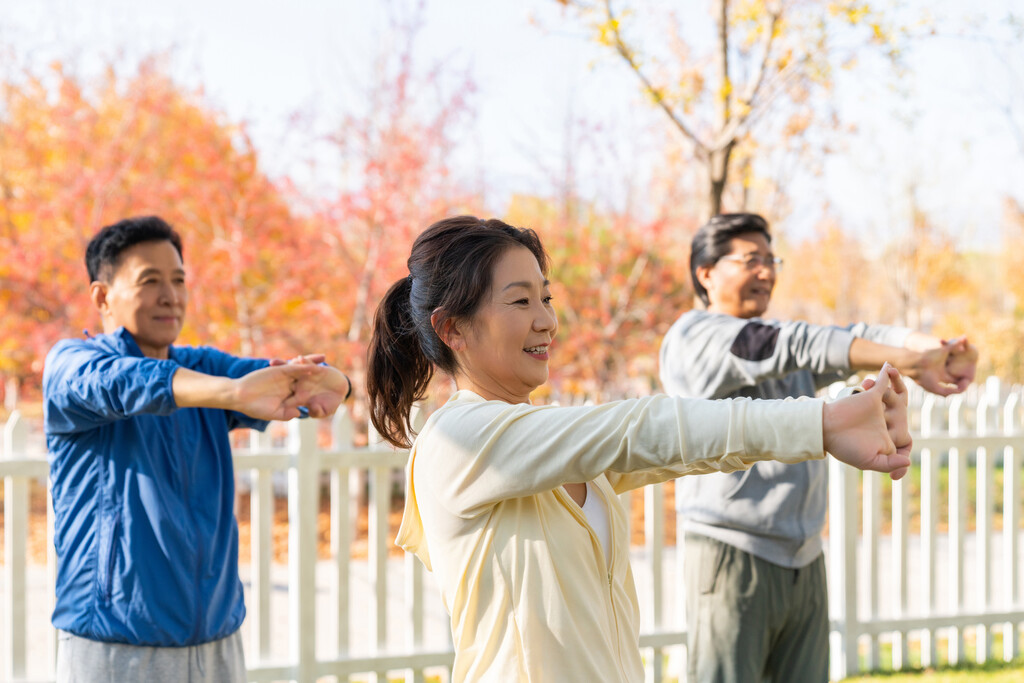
{"x":141,"y":471}
{"x":756,"y":597}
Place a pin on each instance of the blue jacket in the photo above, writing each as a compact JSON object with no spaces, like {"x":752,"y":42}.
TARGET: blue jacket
{"x":143,"y":494}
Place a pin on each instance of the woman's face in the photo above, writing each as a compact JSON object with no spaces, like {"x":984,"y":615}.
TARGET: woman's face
{"x":503,"y":351}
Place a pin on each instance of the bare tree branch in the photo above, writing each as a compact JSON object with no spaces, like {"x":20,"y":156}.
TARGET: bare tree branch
{"x":626,"y":53}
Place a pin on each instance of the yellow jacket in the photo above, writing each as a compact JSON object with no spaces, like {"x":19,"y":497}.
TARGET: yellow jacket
{"x":521,"y":573}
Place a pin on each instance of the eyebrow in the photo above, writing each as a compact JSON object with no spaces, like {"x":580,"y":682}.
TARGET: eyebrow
{"x":523,"y":284}
{"x":156,"y":271}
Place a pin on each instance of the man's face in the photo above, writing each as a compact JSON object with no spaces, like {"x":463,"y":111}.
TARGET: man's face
{"x":740,"y":284}
{"x":146,"y":295}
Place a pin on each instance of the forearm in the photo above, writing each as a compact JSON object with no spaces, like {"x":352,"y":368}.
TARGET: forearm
{"x":869,"y":355}
{"x":196,"y":390}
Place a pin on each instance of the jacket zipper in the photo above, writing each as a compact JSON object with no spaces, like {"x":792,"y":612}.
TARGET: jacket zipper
{"x":197,"y":627}
{"x":611,"y":597}
{"x":609,"y":569}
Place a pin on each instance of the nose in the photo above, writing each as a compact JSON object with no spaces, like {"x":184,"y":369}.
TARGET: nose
{"x":545,"y":320}
{"x":170,"y":295}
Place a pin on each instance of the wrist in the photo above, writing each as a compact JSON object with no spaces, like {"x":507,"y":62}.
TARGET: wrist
{"x":910,"y":363}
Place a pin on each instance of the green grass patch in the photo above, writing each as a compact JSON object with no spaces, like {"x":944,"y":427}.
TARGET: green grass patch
{"x":990,"y":672}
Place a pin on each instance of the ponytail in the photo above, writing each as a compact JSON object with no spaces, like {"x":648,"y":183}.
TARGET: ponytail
{"x":450,"y":273}
{"x":398,"y":372}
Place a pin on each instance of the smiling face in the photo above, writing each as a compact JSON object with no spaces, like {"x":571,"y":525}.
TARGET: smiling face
{"x":732,"y":288}
{"x":503,"y":351}
{"x":146,"y":295}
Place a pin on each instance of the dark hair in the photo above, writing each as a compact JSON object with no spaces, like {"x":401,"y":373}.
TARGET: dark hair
{"x":450,"y":271}
{"x":712,"y":242}
{"x":103,"y":255}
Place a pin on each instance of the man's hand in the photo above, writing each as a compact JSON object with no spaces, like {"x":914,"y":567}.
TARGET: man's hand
{"x":931,"y":373}
{"x":870,"y":430}
{"x":276,"y":392}
{"x":322,"y":394}
{"x":962,"y":363}
{"x":942,"y":367}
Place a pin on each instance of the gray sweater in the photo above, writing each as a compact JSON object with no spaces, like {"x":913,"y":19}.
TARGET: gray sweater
{"x":773,"y":510}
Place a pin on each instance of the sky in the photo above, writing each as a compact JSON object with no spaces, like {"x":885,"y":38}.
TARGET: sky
{"x":263,"y":60}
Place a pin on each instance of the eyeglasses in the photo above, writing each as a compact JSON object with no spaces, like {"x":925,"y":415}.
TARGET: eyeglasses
{"x":755,"y":261}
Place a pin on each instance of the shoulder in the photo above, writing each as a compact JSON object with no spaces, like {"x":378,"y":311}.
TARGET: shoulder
{"x":468,"y":420}
{"x":74,"y":352}
{"x":755,"y":339}
{"x":705,"y":326}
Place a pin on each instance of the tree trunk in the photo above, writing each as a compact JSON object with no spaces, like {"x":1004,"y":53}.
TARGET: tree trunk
{"x":718,"y":175}
{"x":718,"y":159}
{"x":360,"y":312}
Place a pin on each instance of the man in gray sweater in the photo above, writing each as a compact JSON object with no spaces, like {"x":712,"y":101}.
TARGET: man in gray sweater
{"x":756,"y":596}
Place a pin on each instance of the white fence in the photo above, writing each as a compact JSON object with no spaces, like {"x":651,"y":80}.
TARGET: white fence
{"x":909,"y":589}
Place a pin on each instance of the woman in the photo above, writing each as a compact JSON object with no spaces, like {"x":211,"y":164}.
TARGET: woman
{"x":513,"y":507}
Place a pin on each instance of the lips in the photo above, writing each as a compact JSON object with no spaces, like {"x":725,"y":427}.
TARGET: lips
{"x":539,"y":352}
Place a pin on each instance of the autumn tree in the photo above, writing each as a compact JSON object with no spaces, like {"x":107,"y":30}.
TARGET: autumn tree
{"x":922,"y":267}
{"x":824,"y":277}
{"x":766,"y":68}
{"x":396,"y":169}
{"x":618,"y":283}
{"x":78,"y":153}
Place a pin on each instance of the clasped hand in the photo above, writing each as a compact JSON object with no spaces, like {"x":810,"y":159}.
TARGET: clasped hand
{"x":948,"y":368}
{"x":870,"y":430}
{"x":276,"y":392}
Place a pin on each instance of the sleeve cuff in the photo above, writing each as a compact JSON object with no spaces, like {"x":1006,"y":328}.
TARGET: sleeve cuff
{"x":163,"y":383}
{"x":837,"y":355}
{"x":789,"y":431}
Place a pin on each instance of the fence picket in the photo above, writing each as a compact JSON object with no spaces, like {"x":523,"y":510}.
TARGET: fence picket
{"x":929,"y":526}
{"x":985,"y":469}
{"x":957,"y":521}
{"x":1011,"y":522}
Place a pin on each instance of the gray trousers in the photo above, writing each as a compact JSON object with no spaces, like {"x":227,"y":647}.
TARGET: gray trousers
{"x":81,"y":660}
{"x":749,"y":620}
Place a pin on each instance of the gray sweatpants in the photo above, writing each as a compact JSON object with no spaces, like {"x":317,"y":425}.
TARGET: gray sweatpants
{"x":749,"y":620}
{"x":81,"y":660}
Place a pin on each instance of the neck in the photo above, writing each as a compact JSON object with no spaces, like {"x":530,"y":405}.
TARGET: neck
{"x":490,"y":390}
{"x":161,"y":353}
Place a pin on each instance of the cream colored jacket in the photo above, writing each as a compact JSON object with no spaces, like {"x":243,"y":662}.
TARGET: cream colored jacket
{"x":521,"y":573}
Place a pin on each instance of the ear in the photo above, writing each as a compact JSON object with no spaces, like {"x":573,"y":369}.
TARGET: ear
{"x":448,"y":331}
{"x":98,"y":295}
{"x":704,"y":276}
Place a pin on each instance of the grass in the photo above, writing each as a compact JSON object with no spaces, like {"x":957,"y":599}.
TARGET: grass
{"x":995,"y":670}
{"x":990,"y":672}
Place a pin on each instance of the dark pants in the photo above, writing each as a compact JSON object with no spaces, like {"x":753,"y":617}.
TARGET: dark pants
{"x":749,"y":620}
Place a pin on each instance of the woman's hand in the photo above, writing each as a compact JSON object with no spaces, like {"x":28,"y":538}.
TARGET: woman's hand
{"x":869,"y":430}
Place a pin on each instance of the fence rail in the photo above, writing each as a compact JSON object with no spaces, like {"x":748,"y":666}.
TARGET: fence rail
{"x":376,"y":618}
